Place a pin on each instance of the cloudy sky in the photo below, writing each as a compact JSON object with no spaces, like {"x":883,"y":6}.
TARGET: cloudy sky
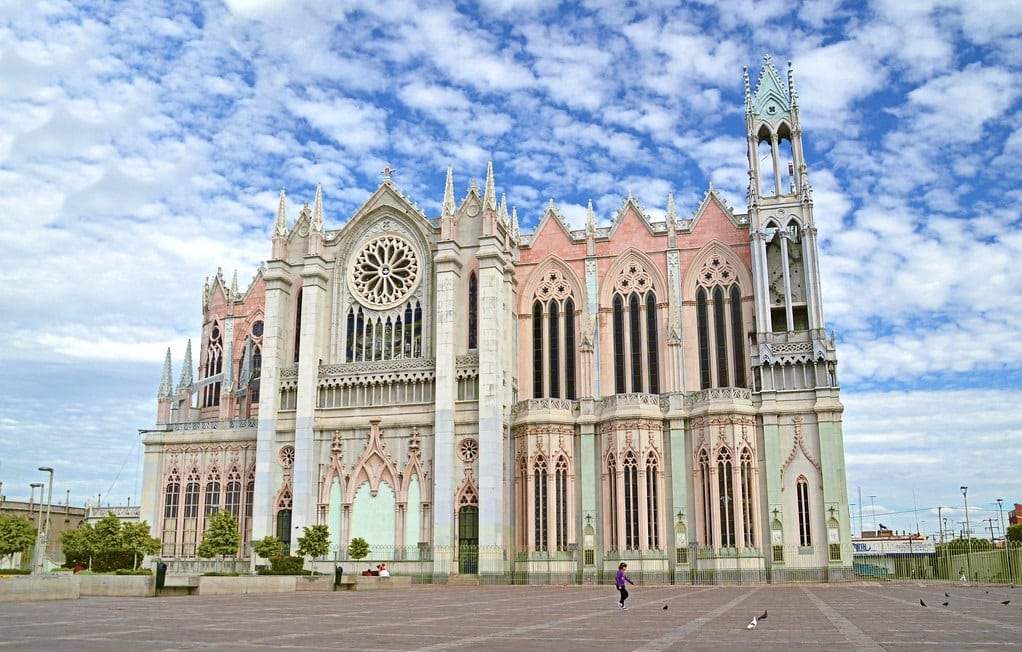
{"x":142,"y":144}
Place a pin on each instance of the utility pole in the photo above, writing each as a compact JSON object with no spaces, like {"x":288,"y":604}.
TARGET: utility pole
{"x":968,"y":527}
{"x":939,"y":524}
{"x":990,"y":526}
{"x":1000,"y":510}
{"x":860,"y":511}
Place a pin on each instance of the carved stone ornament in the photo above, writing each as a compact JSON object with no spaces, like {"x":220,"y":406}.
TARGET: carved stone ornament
{"x":384,"y":273}
{"x":553,"y":286}
{"x":468,"y":449}
{"x":633,"y":278}
{"x":716,"y":271}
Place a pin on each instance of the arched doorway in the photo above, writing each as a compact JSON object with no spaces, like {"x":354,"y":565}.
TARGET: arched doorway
{"x":468,"y":540}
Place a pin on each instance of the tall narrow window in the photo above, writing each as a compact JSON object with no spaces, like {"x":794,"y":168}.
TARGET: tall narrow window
{"x":212,"y":497}
{"x":191,"y":498}
{"x":707,"y":501}
{"x":555,"y":352}
{"x":213,"y":366}
{"x":473,"y":311}
{"x":561,"y":501}
{"x":569,"y":349}
{"x":540,"y":508}
{"x":652,"y":346}
{"x":349,"y":340}
{"x":298,"y":324}
{"x":172,"y":497}
{"x":612,"y":506}
{"x":406,"y":341}
{"x":249,"y":496}
{"x":417,"y":332}
{"x":652,"y":503}
{"x":521,"y":504}
{"x":704,"y":339}
{"x":619,"y":345}
{"x":537,"y":350}
{"x":726,"y":489}
{"x":720,"y":337}
{"x":737,"y":336}
{"x":747,"y":504}
{"x":636,"y":335}
{"x":805,"y":535}
{"x":284,"y":527}
{"x":232,"y":496}
{"x":631,"y":502}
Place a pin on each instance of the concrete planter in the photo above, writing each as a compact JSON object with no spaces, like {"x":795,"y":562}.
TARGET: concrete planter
{"x":24,"y":588}
{"x":314,"y":583}
{"x":247,"y":584}
{"x":374,"y":582}
{"x":135,"y":586}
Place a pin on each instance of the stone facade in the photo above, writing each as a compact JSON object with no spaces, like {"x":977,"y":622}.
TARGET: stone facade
{"x":476,"y":399}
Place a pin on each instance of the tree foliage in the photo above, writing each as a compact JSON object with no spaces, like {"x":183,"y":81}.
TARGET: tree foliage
{"x":358,"y":548}
{"x":1014,"y":533}
{"x":314,"y":542}
{"x":268,"y":547}
{"x":17,"y":534}
{"x":221,"y":537}
{"x":109,"y":545}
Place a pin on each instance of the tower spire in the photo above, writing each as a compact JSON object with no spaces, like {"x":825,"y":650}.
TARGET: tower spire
{"x":280,"y":225}
{"x":448,"y":207}
{"x":166,"y":383}
{"x":234,"y":285}
{"x":185,"y":382}
{"x":490,"y":194}
{"x":317,"y":209}
{"x":590,"y":218}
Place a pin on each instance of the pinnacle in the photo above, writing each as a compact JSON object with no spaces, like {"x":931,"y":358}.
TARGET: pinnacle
{"x":490,"y":194}
{"x":166,"y":383}
{"x":448,"y":205}
{"x":186,"y":368}
{"x":280,"y":225}
{"x":317,"y":209}
{"x":590,"y":218}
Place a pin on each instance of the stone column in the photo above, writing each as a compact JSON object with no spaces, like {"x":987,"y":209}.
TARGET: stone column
{"x":592,"y":312}
{"x":760,"y":282}
{"x":679,"y":479}
{"x":835,"y":487}
{"x":448,"y":270}
{"x":771,"y":464}
{"x":494,"y":328}
{"x":315,"y":277}
{"x":275,"y":318}
{"x":783,"y":235}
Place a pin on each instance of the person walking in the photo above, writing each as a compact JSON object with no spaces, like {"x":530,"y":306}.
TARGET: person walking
{"x":620,"y":580}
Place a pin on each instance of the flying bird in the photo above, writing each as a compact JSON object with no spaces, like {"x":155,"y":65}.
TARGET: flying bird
{"x":922,"y":603}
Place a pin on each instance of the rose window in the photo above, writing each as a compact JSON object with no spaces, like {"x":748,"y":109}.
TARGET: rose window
{"x":468,"y":449}
{"x":287,"y":456}
{"x":384,"y":273}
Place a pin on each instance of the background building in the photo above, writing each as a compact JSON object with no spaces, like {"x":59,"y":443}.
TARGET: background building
{"x":475,"y":399}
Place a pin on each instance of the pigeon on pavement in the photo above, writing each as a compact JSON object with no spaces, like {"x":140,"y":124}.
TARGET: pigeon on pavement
{"x":665,"y":608}
{"x":1006,"y":603}
{"x":943,"y":604}
{"x":946,"y":594}
{"x":922,"y":603}
{"x":755,"y":621}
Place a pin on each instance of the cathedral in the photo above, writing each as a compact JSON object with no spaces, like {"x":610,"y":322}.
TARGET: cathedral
{"x":475,"y":400}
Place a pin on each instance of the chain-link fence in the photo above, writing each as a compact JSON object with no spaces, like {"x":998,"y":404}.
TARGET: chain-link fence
{"x":998,"y":565}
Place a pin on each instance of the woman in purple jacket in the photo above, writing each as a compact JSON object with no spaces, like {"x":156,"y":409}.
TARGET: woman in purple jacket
{"x":620,"y":580}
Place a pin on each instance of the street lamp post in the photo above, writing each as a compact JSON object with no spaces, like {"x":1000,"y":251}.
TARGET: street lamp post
{"x":1000,"y":510}
{"x":968,"y":530}
{"x":38,"y":524}
{"x":45,"y":532}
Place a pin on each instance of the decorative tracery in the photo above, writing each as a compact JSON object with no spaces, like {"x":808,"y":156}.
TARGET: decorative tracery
{"x":720,"y":328}
{"x":553,"y":337}
{"x":384,"y":272}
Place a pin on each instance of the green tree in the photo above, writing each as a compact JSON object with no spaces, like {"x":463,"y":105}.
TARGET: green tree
{"x":79,"y":545}
{"x":963,"y":546}
{"x":268,"y":547}
{"x":135,"y":538}
{"x":314,"y":542}
{"x":221,"y":538}
{"x":358,"y":548}
{"x":16,"y":535}
{"x":1014,"y":533}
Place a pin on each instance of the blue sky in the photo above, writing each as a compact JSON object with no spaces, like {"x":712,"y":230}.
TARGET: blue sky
{"x":143,"y":144}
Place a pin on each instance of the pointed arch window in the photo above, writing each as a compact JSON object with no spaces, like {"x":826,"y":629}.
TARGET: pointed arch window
{"x":720,"y":336}
{"x":737,"y":336}
{"x":652,"y":345}
{"x":212,"y":505}
{"x":172,"y":497}
{"x":612,"y":502}
{"x":521,"y":503}
{"x":652,"y":502}
{"x":561,"y":503}
{"x":805,"y":535}
{"x":619,"y":345}
{"x":569,"y":349}
{"x":631,"y":469}
{"x":232,"y":494}
{"x":370,"y":338}
{"x":725,"y":486}
{"x":298,"y":325}
{"x":706,"y":504}
{"x":748,"y":528}
{"x":537,"y":349}
{"x":636,"y":337}
{"x":553,"y":338}
{"x":473,"y":311}
{"x":540,"y":508}
{"x":214,"y":365}
{"x":192,"y":497}
{"x":703,"y":334}
{"x":554,"y":323}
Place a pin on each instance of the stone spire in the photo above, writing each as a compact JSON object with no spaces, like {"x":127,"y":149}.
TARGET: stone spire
{"x":490,"y":194}
{"x":448,"y":207}
{"x":166,"y":383}
{"x":280,"y":226}
{"x":672,"y":211}
{"x":502,"y":209}
{"x":514,"y":223}
{"x":748,"y":90}
{"x":185,"y":382}
{"x":317,"y":210}
{"x":590,"y":219}
{"x":234,"y":285}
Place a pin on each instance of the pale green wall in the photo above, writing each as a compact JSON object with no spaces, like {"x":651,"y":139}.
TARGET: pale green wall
{"x":334,"y":516}
{"x":372,"y":517}
{"x":413,"y":519}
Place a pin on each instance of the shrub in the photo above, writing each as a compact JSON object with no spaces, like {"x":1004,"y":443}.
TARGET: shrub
{"x":270,"y":571}
{"x":283,"y":565}
{"x":14,"y":571}
{"x":268,"y":547}
{"x":221,"y":574}
{"x":104,"y":562}
{"x":133,"y":571}
{"x":358,"y":548}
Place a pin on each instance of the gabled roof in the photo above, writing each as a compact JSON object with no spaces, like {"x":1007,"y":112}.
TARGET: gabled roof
{"x":387,"y":194}
{"x":551,"y":213}
{"x":772,"y":99}
{"x":713,"y":196}
{"x":630,"y":203}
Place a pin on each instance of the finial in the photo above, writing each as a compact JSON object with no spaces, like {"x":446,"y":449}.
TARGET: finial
{"x":166,"y":383}
{"x":502,"y":209}
{"x":748,"y":89}
{"x":185,"y":381}
{"x":672,"y":211}
{"x":514,"y":222}
{"x":234,"y":284}
{"x":490,"y":194}
{"x":767,"y":58}
{"x":631,"y":197}
{"x":550,"y":206}
{"x":448,"y":206}
{"x":473,"y":185}
{"x":590,"y":218}
{"x":317,"y":209}
{"x":388,"y":172}
{"x":280,"y":226}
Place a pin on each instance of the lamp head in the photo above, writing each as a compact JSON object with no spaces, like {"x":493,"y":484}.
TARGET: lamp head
{"x":964,"y":490}
{"x":46,"y":469}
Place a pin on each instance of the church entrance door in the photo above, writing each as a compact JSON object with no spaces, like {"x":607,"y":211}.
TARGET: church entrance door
{"x":468,"y":540}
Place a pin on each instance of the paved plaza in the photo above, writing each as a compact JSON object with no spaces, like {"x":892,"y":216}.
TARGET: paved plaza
{"x":811,"y":617}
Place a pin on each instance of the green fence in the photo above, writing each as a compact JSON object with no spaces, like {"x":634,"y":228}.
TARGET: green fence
{"x":1002,"y":565}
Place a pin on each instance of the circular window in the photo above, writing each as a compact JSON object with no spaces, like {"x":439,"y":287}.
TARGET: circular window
{"x":287,"y":456}
{"x":384,"y":273}
{"x":257,"y":329}
{"x":468,"y":449}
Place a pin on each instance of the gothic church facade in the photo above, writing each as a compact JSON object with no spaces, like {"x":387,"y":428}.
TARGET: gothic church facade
{"x":470,"y":399}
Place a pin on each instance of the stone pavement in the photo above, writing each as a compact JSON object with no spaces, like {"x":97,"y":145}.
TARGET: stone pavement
{"x":534,"y":618}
